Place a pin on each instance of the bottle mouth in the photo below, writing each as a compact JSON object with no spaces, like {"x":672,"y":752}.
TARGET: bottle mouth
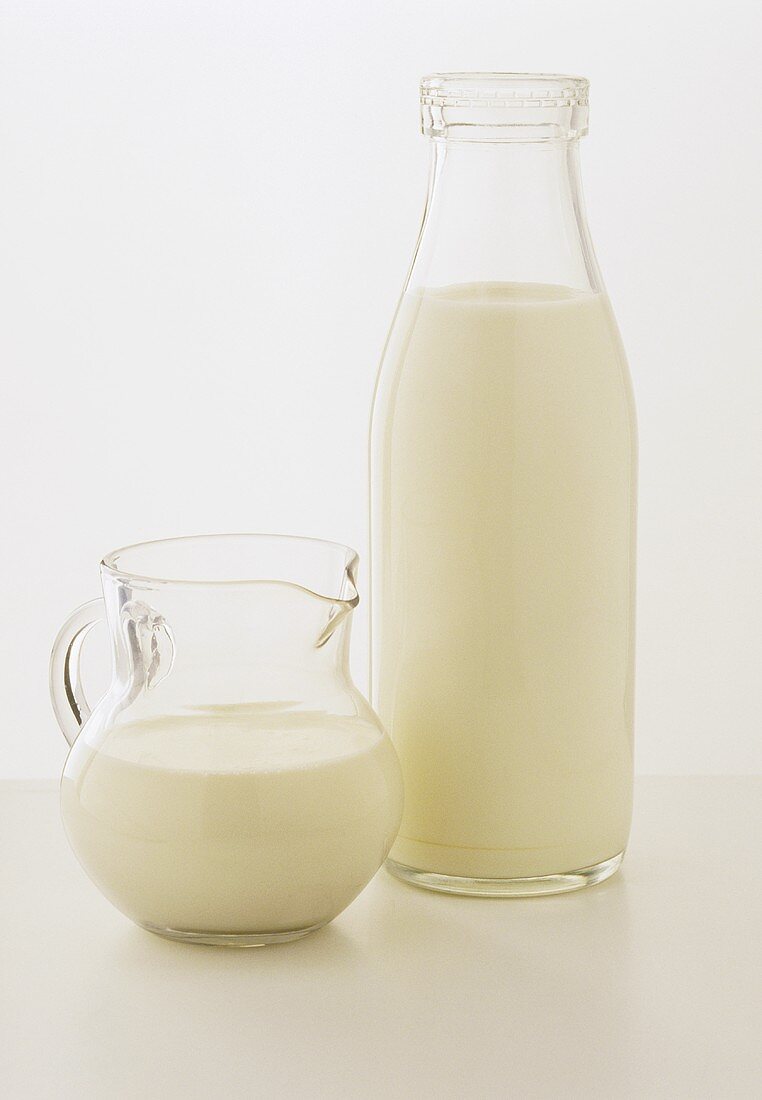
{"x":504,"y":106}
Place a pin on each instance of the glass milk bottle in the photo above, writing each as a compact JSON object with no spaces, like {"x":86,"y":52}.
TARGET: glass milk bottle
{"x":503,"y":467}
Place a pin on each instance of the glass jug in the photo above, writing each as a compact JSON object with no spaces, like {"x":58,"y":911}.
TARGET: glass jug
{"x":232,"y":786}
{"x":503,"y":466}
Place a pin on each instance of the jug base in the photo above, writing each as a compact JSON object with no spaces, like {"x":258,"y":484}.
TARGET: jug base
{"x":507,"y":887}
{"x":231,"y":939}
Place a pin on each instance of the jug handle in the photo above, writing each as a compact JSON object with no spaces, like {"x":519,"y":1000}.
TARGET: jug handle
{"x":66,"y":693}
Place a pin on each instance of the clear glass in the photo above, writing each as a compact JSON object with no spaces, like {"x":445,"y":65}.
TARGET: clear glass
{"x":503,"y":467}
{"x":232,"y":786}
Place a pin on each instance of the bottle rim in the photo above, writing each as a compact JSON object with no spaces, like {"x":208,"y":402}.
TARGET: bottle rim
{"x":510,"y":89}
{"x":504,"y":106}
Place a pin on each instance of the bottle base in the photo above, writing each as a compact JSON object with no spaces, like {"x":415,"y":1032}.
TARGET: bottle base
{"x":531,"y":887}
{"x":231,"y":939}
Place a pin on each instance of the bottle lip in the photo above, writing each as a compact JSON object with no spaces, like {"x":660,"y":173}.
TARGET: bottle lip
{"x":504,"y":106}
{"x":534,"y":89}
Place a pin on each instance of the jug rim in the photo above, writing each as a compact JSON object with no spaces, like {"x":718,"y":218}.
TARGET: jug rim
{"x":284,"y":551}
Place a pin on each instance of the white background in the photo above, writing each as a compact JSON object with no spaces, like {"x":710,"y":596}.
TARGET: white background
{"x":207,"y":212}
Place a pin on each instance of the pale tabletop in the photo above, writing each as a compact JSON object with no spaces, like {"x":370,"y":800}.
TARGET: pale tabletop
{"x":649,"y":985}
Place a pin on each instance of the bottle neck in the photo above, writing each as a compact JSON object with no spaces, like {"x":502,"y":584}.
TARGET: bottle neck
{"x":504,"y":212}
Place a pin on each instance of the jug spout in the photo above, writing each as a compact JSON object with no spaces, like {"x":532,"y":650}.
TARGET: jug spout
{"x":341,"y":607}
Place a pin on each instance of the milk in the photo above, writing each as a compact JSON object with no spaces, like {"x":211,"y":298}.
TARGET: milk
{"x":503,"y":570}
{"x":234,"y":821}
